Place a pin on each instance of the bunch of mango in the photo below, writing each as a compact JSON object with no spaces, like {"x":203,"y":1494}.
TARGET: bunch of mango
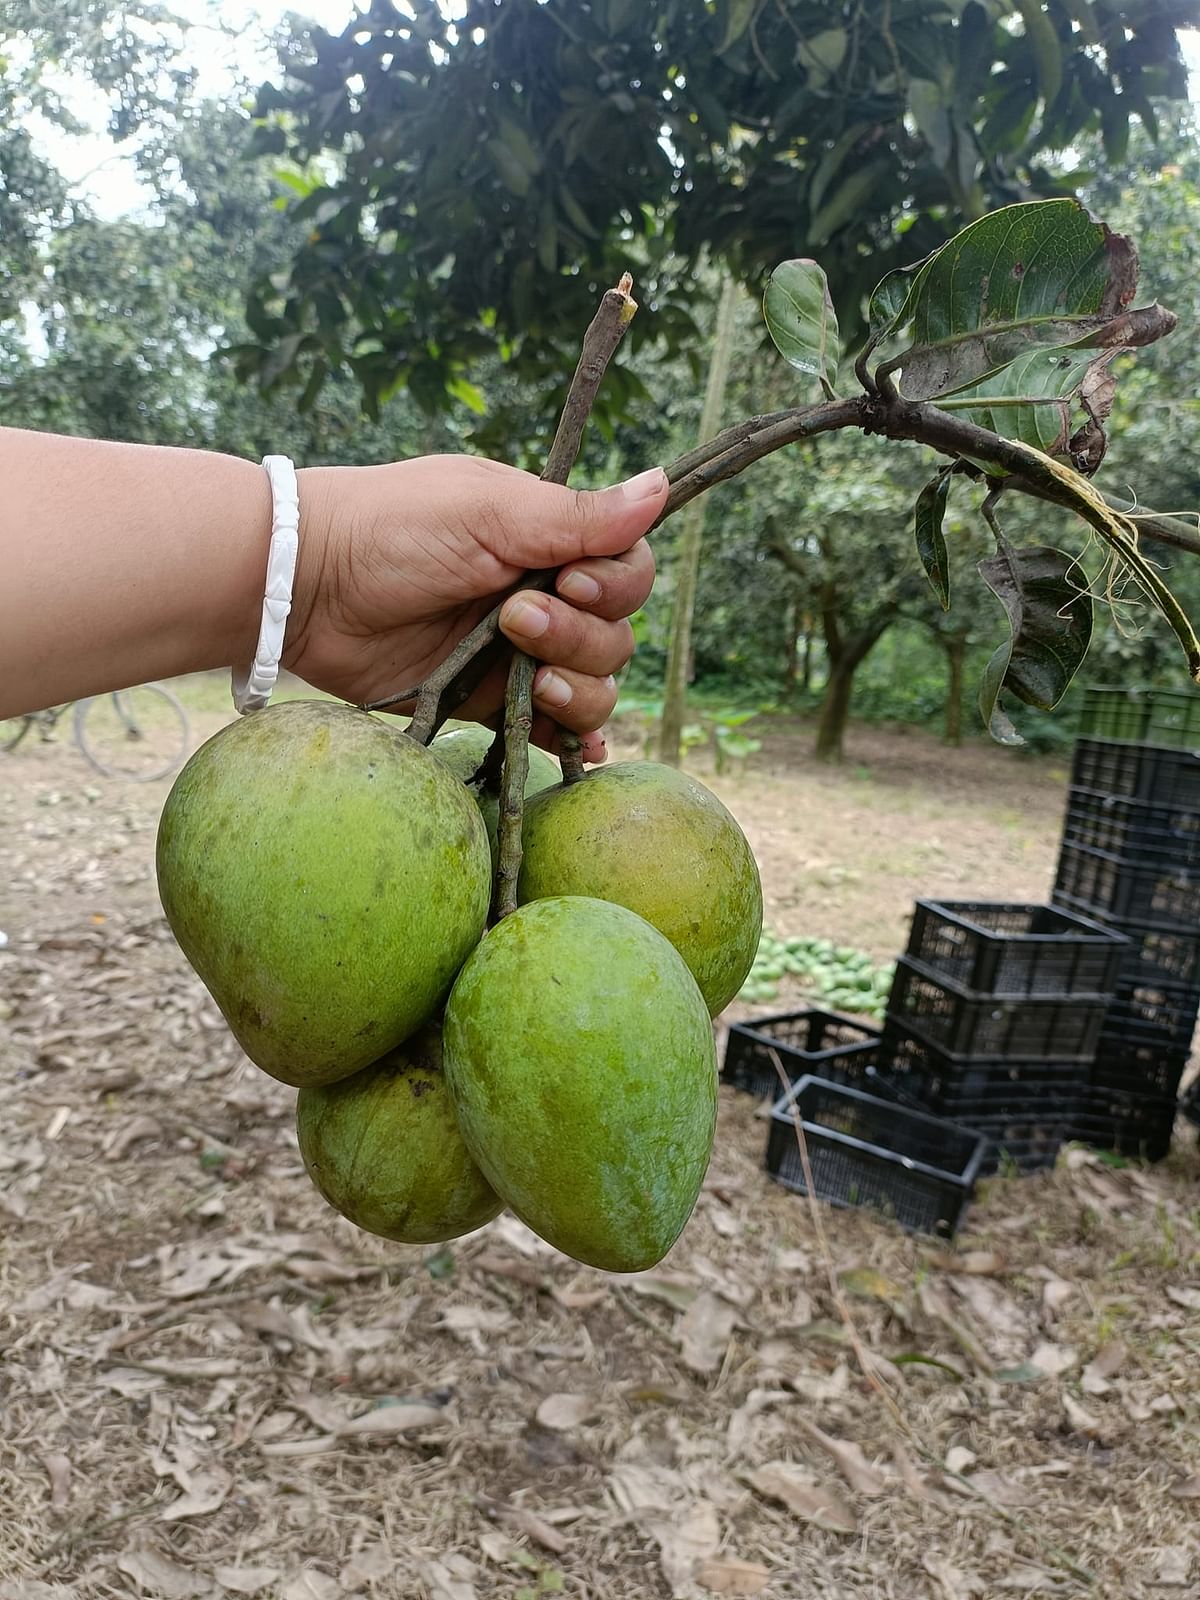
{"x":329,"y":878}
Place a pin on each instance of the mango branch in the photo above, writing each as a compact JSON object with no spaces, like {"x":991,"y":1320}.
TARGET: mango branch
{"x":514,"y":732}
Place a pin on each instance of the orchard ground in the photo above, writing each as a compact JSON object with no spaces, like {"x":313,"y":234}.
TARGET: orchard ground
{"x":191,"y":1337}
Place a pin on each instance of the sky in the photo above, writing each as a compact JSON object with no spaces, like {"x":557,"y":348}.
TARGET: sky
{"x":104,"y":173}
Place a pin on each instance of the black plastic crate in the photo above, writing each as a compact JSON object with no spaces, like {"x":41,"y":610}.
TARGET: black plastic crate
{"x":1025,"y":1144}
{"x":1133,"y":829}
{"x":1138,"y":1068}
{"x":1169,"y":717}
{"x":1189,"y":1105}
{"x":865,"y":1151}
{"x":1131,"y":1124}
{"x":1011,"y":950}
{"x":1155,"y":1012}
{"x":1140,"y":772}
{"x":812,"y":1041}
{"x":1157,"y":955}
{"x":963,"y":1022}
{"x":1162,"y":895}
{"x":1022,"y":1132}
{"x":943,"y":1083}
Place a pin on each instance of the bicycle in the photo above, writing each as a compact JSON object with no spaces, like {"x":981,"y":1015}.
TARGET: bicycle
{"x":139,"y":733}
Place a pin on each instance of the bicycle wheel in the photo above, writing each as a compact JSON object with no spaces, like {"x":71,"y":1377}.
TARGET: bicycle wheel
{"x":12,"y":731}
{"x":137,"y":733}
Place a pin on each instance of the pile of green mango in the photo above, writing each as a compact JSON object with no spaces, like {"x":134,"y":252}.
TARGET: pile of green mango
{"x":844,"y":978}
{"x":329,"y":879}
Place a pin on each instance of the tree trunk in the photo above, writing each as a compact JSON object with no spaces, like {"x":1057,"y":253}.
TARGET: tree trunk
{"x":691,"y":536}
{"x":844,"y":661}
{"x":956,"y":653}
{"x":806,"y":665}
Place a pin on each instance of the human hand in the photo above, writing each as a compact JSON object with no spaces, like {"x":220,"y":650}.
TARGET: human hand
{"x":397,"y":563}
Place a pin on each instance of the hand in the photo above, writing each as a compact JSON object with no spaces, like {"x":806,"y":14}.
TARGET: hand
{"x":397,"y":563}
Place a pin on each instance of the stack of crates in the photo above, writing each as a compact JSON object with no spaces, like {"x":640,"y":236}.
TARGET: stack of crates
{"x":1130,"y":859}
{"x":994,"y":1018}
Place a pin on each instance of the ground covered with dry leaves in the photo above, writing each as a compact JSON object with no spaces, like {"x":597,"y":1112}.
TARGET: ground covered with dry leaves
{"x":211,"y":1386}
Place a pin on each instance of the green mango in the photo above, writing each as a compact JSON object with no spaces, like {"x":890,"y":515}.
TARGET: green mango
{"x":326,"y":877}
{"x":463,"y":751}
{"x":580,"y":1055}
{"x":648,"y":837}
{"x":384,"y":1149}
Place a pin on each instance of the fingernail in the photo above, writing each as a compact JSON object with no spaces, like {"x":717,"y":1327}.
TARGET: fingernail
{"x":525,"y":616}
{"x":645,"y":486}
{"x":552,"y":690}
{"x":578,"y":586}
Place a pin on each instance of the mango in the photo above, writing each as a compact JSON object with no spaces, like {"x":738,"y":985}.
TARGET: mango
{"x":384,"y":1149}
{"x":649,"y":837}
{"x":326,"y":877}
{"x":463,"y":751}
{"x":580,"y":1056}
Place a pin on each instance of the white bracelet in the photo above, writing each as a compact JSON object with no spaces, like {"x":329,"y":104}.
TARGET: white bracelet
{"x":252,"y":690}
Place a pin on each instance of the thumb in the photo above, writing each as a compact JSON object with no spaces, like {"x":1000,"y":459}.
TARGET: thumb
{"x":548,"y":525}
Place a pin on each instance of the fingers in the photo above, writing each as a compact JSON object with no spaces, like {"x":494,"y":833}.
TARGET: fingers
{"x":536,"y":524}
{"x":612,"y":588}
{"x":574,"y":699}
{"x":563,"y":636}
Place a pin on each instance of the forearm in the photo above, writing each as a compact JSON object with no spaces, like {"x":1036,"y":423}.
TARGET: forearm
{"x":122,"y":563}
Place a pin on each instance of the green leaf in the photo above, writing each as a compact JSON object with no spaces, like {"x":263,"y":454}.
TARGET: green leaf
{"x":1039,"y":30}
{"x":846,"y":201}
{"x":1027,"y":277}
{"x":470,"y":396}
{"x":739,"y":16}
{"x":1032,"y":399}
{"x":799,"y":314}
{"x":1050,"y":617}
{"x":928,"y":515}
{"x":822,"y":54}
{"x":914,"y":1358}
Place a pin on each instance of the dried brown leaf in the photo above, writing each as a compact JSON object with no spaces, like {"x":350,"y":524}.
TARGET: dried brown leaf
{"x":385,"y":1420}
{"x":578,"y":1299}
{"x":539,"y":1529}
{"x":1173,"y":1566}
{"x":205,"y":1491}
{"x":309,"y":1584}
{"x":954,"y":1583}
{"x":1053,"y":1359}
{"x":1105,"y":1364}
{"x":704,"y":1332}
{"x":803,"y":1496}
{"x":683,"y":1542}
{"x":247,"y":1580}
{"x":450,"y":1579}
{"x":729,"y":1575}
{"x":1184,"y":1296}
{"x":980,"y":1263}
{"x":372,"y":1562}
{"x":1001,"y":1490}
{"x":1187,"y":1488}
{"x":58,"y":1470}
{"x":161,"y":1578}
{"x":672,"y":1289}
{"x":740,"y":1420}
{"x":563,"y":1412}
{"x":849,"y":1459}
